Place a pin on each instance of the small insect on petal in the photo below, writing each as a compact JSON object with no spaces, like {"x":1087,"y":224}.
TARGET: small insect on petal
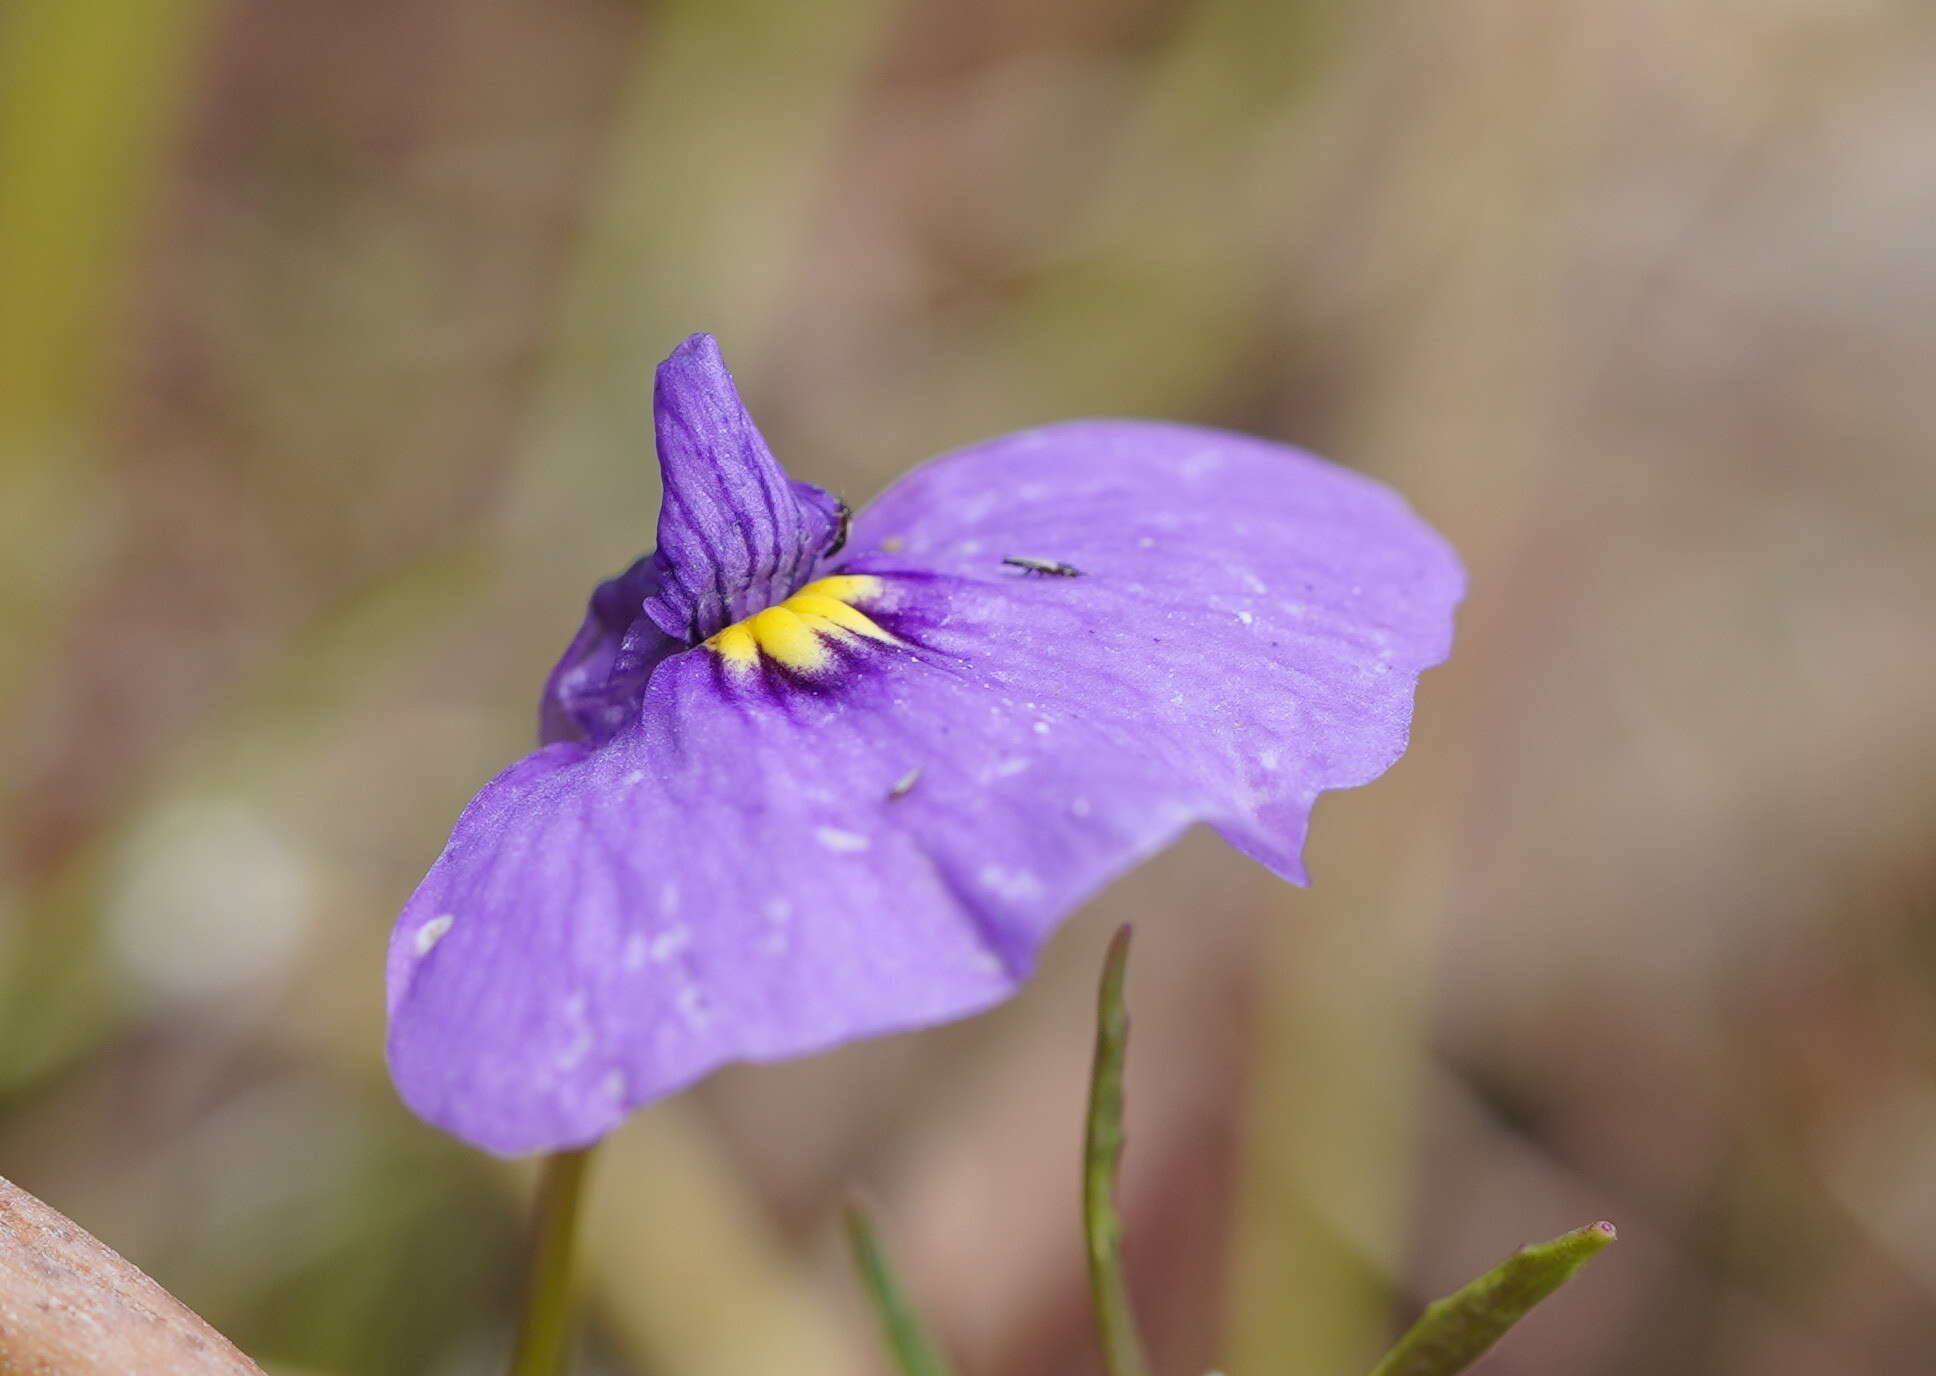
{"x":1029,"y":564}
{"x":904,"y":785}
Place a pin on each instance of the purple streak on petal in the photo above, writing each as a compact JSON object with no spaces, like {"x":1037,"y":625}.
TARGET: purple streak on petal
{"x":736,"y":534}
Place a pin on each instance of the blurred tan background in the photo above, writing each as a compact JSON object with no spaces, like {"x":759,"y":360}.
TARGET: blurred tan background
{"x":325,"y":337}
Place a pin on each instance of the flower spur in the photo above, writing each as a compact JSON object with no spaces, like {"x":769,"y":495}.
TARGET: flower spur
{"x":802,"y":784}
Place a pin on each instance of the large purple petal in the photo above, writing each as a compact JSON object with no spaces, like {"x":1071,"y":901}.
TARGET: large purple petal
{"x":735,"y":533}
{"x":770,"y":860}
{"x":1261,"y":612}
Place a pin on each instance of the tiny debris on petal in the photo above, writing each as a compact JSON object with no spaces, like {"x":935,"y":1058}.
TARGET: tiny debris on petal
{"x":669,"y":943}
{"x":843,"y":842}
{"x":432,"y":932}
{"x":693,"y":1006}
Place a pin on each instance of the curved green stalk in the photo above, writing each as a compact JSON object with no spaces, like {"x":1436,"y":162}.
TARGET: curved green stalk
{"x":545,"y":1328}
{"x":915,"y":1351}
{"x":1122,"y":1348}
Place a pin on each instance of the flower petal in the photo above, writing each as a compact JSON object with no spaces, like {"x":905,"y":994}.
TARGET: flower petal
{"x":735,"y":533}
{"x":869,"y":814}
{"x":1257,"y":611}
{"x":748,"y":874}
{"x":594,"y":689}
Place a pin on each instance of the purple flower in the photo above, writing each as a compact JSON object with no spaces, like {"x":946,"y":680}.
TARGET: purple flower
{"x":803,"y":784}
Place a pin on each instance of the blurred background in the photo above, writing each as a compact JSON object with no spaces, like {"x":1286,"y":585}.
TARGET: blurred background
{"x":324,"y":357}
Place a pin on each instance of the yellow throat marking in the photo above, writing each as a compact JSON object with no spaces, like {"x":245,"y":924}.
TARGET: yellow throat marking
{"x":799,"y":633}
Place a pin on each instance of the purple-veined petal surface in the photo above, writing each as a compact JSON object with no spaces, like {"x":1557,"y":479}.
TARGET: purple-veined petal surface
{"x":736,"y":534}
{"x":764,"y":863}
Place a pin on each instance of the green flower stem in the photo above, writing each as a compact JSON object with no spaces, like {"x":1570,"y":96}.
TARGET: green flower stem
{"x":545,"y":1328}
{"x":915,"y":1352}
{"x":1122,"y":1349}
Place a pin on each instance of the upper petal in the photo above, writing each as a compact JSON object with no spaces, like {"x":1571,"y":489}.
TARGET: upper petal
{"x":1261,"y":612}
{"x":735,"y":533}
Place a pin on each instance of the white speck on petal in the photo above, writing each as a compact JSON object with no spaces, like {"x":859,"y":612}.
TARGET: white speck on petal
{"x":574,"y":1052}
{"x":669,"y":943}
{"x":1254,"y":583}
{"x":1246,"y":617}
{"x":1177,"y":699}
{"x":635,"y":778}
{"x":778,"y":909}
{"x":432,"y":932}
{"x":691,"y":1003}
{"x":614,"y":1084}
{"x":840,"y":842}
{"x":1146,"y":542}
{"x":1267,"y":759}
{"x":1011,"y":884}
{"x":1041,"y":728}
{"x":1008,"y":769}
{"x":1079,"y":806}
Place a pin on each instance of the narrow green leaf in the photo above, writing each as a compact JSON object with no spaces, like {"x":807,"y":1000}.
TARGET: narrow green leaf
{"x":1456,"y":1331}
{"x":915,"y":1351}
{"x":1122,"y":1349}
